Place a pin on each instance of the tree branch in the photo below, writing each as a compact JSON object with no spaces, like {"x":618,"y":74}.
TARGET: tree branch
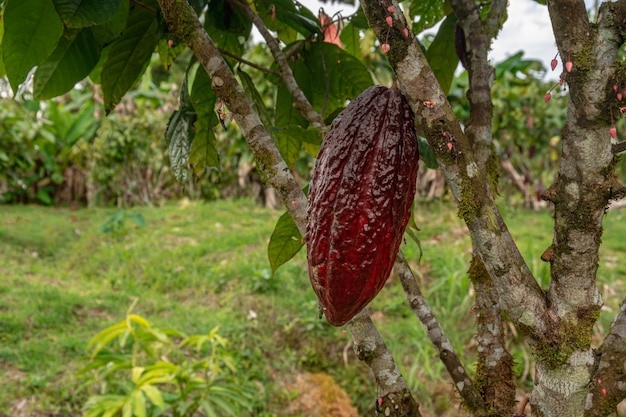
{"x":586,"y":149}
{"x":300,"y":101}
{"x":396,"y":399}
{"x":183,"y":21}
{"x":608,"y":385}
{"x":437,"y":336}
{"x":519,"y":294}
{"x":494,"y":370}
{"x":580,"y":196}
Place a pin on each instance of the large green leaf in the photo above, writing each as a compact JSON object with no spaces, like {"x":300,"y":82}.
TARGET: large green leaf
{"x":351,"y":40}
{"x":83,"y":13}
{"x":74,"y":57}
{"x":289,"y":141}
{"x":203,"y":153}
{"x":427,"y":13}
{"x":328,"y":76}
{"x":31,"y":31}
{"x":254,"y":95}
{"x":180,"y":134}
{"x":129,"y":55}
{"x":426,"y":153}
{"x":227,"y":27}
{"x":287,"y":18}
{"x":441,"y":53}
{"x":285,"y":242}
{"x":110,"y":30}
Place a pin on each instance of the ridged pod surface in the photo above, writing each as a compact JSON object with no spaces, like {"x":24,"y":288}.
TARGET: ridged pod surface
{"x":360,"y":199}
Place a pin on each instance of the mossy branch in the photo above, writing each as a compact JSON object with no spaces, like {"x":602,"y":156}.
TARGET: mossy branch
{"x":183,"y":22}
{"x":519,"y":294}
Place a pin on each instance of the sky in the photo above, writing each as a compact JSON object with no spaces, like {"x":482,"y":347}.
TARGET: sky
{"x":527,"y":29}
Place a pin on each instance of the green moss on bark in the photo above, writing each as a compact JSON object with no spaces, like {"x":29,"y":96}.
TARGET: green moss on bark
{"x":574,"y":334}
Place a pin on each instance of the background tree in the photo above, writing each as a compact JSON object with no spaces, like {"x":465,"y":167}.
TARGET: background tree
{"x":112,"y":42}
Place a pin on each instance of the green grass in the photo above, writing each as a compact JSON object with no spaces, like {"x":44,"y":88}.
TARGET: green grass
{"x":194,"y":266}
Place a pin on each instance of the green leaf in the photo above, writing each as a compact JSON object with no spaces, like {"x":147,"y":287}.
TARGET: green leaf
{"x":351,"y":40}
{"x":31,"y":31}
{"x":129,"y":55}
{"x":288,"y":143}
{"x":290,"y":140}
{"x":84,"y":125}
{"x":328,"y":76}
{"x":83,"y":13}
{"x":139,"y":404}
{"x":168,"y":55}
{"x":110,"y":30}
{"x":412,"y":230}
{"x":137,"y":319}
{"x":254,"y":95}
{"x":441,"y":54}
{"x":180,"y":134}
{"x":426,"y":14}
{"x":154,"y":395}
{"x":226,"y":407}
{"x":227,"y":27}
{"x":285,"y":16}
{"x":426,"y":153}
{"x":127,"y":410}
{"x":105,"y":337}
{"x":285,"y":242}
{"x":72,"y":60}
{"x":203,"y":153}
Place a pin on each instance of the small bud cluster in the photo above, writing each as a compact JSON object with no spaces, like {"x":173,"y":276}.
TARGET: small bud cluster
{"x":603,"y":390}
{"x":569,"y":65}
{"x":622,"y":110}
{"x":389,"y":19}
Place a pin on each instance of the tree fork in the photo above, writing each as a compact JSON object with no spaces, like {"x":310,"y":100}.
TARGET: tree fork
{"x":183,"y":22}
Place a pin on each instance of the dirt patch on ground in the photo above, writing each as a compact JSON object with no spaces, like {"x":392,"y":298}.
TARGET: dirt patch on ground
{"x":319,"y":395}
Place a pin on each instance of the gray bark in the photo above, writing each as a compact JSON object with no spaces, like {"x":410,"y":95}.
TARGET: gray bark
{"x":571,"y":378}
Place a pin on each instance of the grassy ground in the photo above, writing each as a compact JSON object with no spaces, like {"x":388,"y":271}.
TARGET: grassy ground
{"x":194,"y":266}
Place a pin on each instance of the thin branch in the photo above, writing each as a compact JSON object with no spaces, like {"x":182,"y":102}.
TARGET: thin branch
{"x":301,"y":103}
{"x":437,"y":336}
{"x":608,"y":386}
{"x":249,"y":63}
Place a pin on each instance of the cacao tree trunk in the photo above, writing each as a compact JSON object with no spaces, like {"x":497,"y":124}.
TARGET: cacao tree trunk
{"x":572,"y":379}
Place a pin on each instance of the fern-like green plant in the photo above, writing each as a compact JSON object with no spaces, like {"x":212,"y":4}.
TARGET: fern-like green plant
{"x":135,"y":369}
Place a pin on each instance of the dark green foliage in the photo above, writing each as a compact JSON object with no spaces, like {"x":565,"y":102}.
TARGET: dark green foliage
{"x":31,"y":31}
{"x":129,"y":55}
{"x":285,"y":242}
{"x":328,"y":76}
{"x":74,"y":57}
{"x":35,"y":154}
{"x":441,"y":53}
{"x":83,"y":13}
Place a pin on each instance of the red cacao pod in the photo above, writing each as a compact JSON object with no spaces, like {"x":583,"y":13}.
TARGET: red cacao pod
{"x":360,"y":199}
